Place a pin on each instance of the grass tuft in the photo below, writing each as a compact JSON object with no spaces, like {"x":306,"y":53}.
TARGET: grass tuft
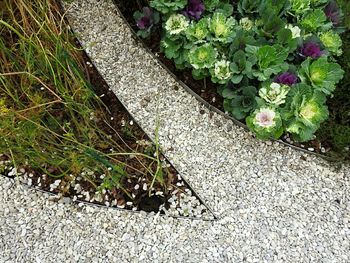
{"x":50,"y":116}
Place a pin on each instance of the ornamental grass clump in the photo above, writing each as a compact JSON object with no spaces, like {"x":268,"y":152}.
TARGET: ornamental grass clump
{"x":52,"y":122}
{"x":266,"y":57}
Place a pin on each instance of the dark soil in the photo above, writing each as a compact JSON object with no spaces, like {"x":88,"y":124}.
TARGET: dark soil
{"x":333,"y":137}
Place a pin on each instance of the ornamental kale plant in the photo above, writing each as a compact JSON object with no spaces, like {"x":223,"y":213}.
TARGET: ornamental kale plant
{"x":145,"y":21}
{"x":194,"y":9}
{"x":274,"y":61}
{"x":304,"y":111}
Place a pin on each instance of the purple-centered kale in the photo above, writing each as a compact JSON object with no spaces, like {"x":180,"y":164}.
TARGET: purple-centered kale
{"x":194,"y":9}
{"x":286,"y":78}
{"x":332,"y":11}
{"x":311,"y":49}
{"x":146,"y":20}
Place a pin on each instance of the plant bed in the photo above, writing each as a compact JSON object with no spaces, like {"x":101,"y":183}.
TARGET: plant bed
{"x":328,"y":131}
{"x":64,"y":131}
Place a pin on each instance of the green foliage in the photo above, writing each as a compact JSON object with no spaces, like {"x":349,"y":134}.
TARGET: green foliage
{"x":240,"y":42}
{"x":246,"y":23}
{"x":225,"y":8}
{"x":198,"y":32}
{"x":168,"y":6}
{"x":332,"y":42}
{"x":114,"y":179}
{"x":211,"y":5}
{"x":173,"y":48}
{"x":246,"y":7}
{"x":321,"y":74}
{"x":318,"y":3}
{"x":176,"y":24}
{"x":274,"y":93}
{"x":239,"y":103}
{"x":336,"y":130}
{"x":270,"y":60}
{"x":241,"y":66}
{"x":274,"y":7}
{"x":300,"y":6}
{"x":345,"y":7}
{"x":221,"y":72}
{"x":222,"y":27}
{"x":51,"y":120}
{"x":314,"y":20}
{"x":304,"y":111}
{"x":270,"y":40}
{"x":203,"y":56}
{"x":266,"y":123}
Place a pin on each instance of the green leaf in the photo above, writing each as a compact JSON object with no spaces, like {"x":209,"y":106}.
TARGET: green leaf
{"x":251,"y":49}
{"x":284,"y":35}
{"x":236,"y":79}
{"x":313,"y":20}
{"x":240,"y":59}
{"x":304,"y":111}
{"x":241,"y":102}
{"x":266,"y":55}
{"x":166,"y":6}
{"x":321,"y":74}
{"x":248,"y":6}
{"x":226,"y":9}
{"x":228,"y":93}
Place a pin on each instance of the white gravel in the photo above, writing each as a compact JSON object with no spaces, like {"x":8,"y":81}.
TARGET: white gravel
{"x":275,"y":204}
{"x":35,"y":229}
{"x":221,"y":161}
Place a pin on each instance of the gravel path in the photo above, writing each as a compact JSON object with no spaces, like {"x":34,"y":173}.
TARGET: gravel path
{"x":275,"y":204}
{"x":35,"y":229}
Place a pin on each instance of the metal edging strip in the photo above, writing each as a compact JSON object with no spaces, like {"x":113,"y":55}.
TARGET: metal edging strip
{"x":205,"y":103}
{"x":215,"y":217}
{"x":110,"y":207}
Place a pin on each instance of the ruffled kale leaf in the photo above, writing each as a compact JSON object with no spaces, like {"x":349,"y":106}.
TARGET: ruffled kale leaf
{"x":305,"y":110}
{"x":239,"y":103}
{"x":203,"y":56}
{"x":241,"y":66}
{"x":332,"y":42}
{"x":222,"y":27}
{"x":274,"y":93}
{"x":198,"y":32}
{"x":315,"y":20}
{"x":211,"y":5}
{"x":300,"y":6}
{"x":175,"y":48}
{"x":321,"y":74}
{"x":221,"y":72}
{"x":270,"y":60}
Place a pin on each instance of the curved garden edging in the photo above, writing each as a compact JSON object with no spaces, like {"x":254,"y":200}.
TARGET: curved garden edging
{"x":215,"y":156}
{"x":151,"y":187}
{"x":203,"y":101}
{"x":82,"y":202}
